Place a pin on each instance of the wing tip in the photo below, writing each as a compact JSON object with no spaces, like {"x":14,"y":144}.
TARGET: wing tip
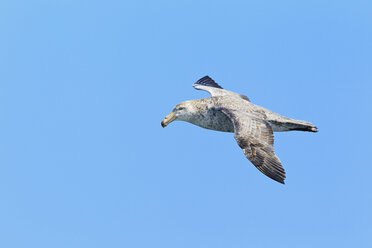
{"x":281,"y":181}
{"x":270,"y":167}
{"x":207,"y":81}
{"x":277,"y":178}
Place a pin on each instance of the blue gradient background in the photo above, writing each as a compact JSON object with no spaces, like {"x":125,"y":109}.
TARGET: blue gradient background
{"x":84,"y":161}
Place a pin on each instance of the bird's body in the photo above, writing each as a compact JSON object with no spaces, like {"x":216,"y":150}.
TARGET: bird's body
{"x":208,"y":115}
{"x":253,"y":125}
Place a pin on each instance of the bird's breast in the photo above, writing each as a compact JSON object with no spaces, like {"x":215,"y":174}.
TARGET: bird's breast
{"x":214,"y":120}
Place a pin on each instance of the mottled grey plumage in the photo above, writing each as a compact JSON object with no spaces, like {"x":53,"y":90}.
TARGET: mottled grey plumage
{"x":253,"y":126}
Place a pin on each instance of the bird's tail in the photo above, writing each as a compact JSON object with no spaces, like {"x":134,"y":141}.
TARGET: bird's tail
{"x":292,"y":125}
{"x":306,"y":128}
{"x":301,"y":126}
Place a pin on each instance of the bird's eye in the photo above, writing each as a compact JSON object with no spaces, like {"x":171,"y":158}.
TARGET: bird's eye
{"x":180,"y":108}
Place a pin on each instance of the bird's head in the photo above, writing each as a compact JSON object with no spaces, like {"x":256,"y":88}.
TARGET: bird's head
{"x":183,"y":112}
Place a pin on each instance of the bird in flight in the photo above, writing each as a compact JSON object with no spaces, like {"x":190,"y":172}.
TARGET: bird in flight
{"x":253,"y":126}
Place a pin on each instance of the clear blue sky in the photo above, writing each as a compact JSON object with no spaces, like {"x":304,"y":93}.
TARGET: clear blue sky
{"x":84,"y":161}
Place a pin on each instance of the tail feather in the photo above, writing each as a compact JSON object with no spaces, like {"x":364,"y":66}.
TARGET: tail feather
{"x":297,"y":125}
{"x":293,"y":125}
{"x":306,"y":128}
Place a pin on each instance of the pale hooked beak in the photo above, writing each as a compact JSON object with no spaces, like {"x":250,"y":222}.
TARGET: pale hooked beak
{"x":168,"y":119}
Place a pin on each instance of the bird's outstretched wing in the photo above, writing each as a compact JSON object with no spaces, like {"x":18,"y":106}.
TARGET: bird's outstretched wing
{"x":208,"y":84}
{"x":256,"y":138}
